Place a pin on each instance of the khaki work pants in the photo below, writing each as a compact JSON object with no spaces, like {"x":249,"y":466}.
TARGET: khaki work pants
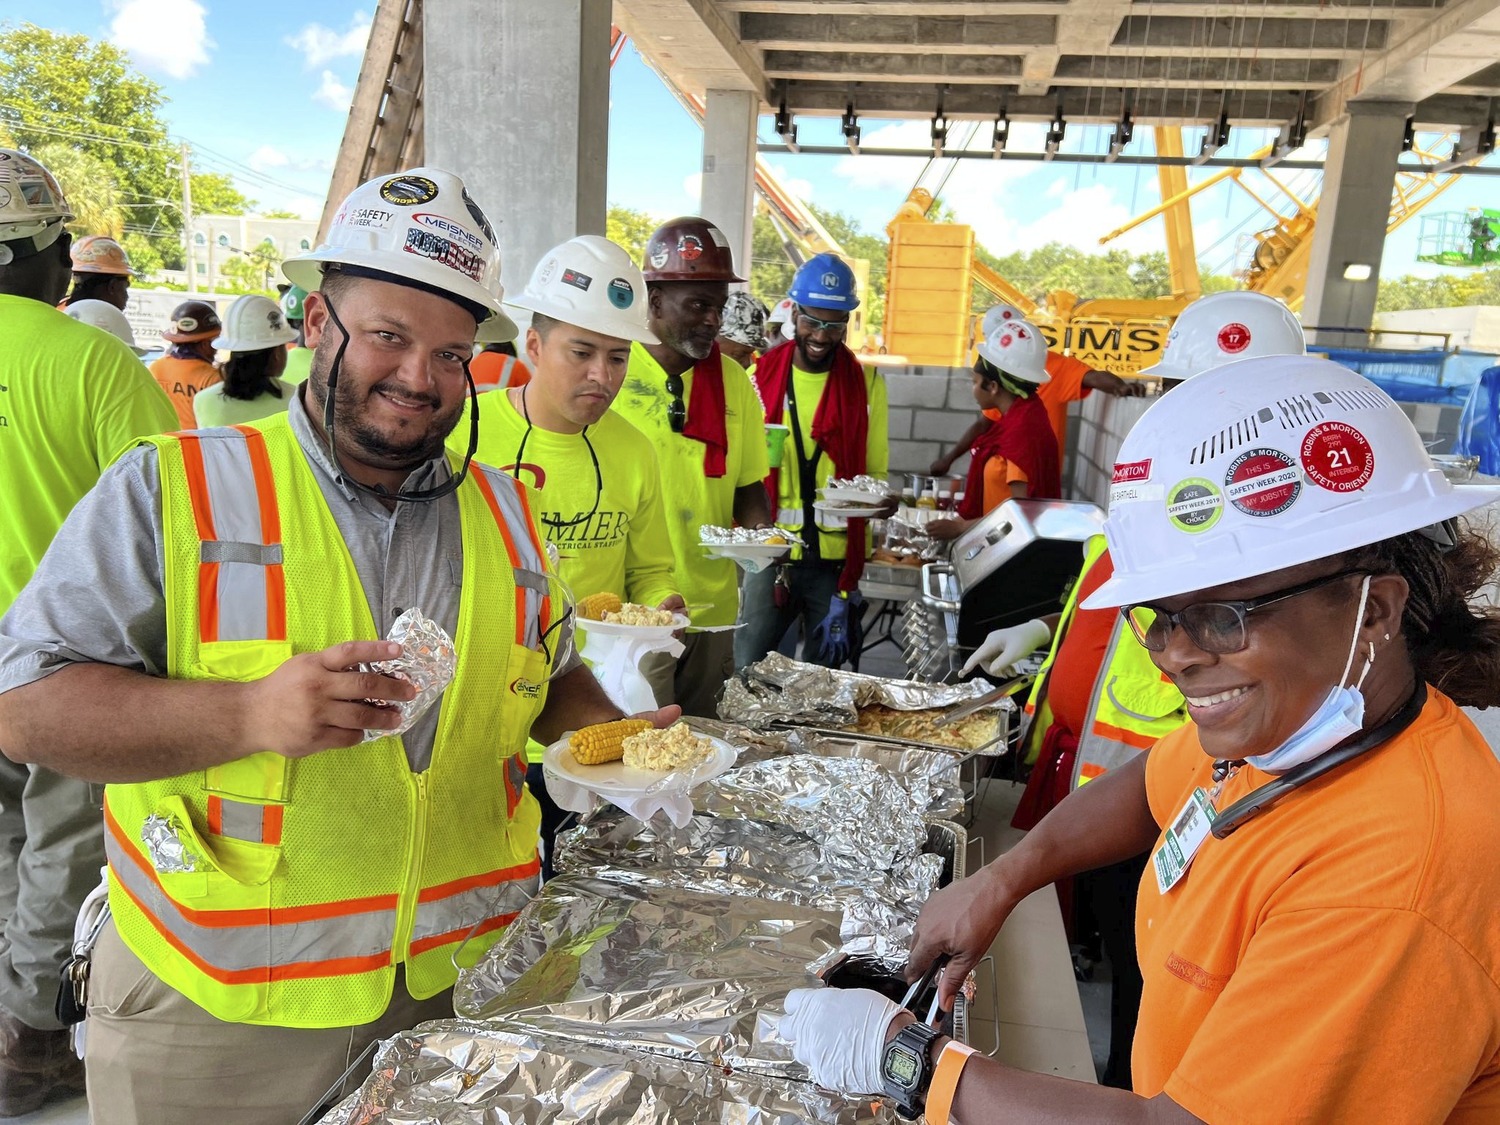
{"x":51,"y":850}
{"x":156,"y":1058}
{"x":696,"y":678}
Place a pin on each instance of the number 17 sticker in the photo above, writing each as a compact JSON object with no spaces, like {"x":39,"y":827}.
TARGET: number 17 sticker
{"x":1337,"y":457}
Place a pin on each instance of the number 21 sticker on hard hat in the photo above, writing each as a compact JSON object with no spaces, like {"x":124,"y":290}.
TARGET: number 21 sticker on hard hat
{"x":1337,"y":457}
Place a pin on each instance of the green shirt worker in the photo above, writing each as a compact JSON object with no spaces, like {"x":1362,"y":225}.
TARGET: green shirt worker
{"x":599,"y":499}
{"x":701,"y":414}
{"x":288,"y":878}
{"x":255,"y":335}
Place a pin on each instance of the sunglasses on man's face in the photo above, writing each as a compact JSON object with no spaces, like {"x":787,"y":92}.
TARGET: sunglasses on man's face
{"x":813,"y":324}
{"x":676,"y":409}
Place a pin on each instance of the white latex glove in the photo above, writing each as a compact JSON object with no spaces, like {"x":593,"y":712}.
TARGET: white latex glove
{"x":839,"y":1035}
{"x":1003,"y":648}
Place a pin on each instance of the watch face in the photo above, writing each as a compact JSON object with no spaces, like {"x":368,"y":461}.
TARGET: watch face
{"x":902,"y":1066}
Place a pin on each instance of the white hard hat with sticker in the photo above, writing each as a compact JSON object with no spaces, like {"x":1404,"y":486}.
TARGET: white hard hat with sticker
{"x":107,"y":318}
{"x":1223,"y":328}
{"x":1018,"y":349}
{"x":254,"y":323}
{"x":591,"y":283}
{"x":32,"y":205}
{"x":1265,"y":464}
{"x":997,"y":315}
{"x":421,"y":225}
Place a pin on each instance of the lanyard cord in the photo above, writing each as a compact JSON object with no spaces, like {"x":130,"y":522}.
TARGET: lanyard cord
{"x":807,"y":477}
{"x":416,"y":495}
{"x":515,"y":469}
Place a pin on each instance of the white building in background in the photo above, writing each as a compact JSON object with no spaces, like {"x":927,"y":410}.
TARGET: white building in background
{"x":219,"y":239}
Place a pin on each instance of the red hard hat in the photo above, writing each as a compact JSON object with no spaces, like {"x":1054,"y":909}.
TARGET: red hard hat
{"x":193,"y":321}
{"x":689,"y":249}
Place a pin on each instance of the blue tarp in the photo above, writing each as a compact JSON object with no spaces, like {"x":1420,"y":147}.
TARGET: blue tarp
{"x":1407,"y":376}
{"x":1479,"y":426}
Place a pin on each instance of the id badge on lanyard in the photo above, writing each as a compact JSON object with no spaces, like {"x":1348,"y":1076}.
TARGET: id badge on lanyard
{"x":1184,"y":837}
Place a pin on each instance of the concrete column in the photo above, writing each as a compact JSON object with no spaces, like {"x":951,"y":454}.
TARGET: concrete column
{"x":729,"y":168}
{"x":1363,"y":146}
{"x":516,"y":101}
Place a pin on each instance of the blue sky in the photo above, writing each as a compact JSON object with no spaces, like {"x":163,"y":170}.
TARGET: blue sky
{"x":261,"y":89}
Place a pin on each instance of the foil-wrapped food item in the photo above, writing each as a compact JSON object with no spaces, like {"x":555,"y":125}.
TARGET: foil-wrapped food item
{"x":713,"y":535}
{"x":768,"y":861}
{"x":657,"y":969}
{"x":851,"y":806}
{"x":874,"y":486}
{"x":427,"y":661}
{"x":169,"y":852}
{"x":463,"y":1072}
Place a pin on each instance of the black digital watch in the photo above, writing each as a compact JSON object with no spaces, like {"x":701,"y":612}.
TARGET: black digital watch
{"x":906,"y":1068}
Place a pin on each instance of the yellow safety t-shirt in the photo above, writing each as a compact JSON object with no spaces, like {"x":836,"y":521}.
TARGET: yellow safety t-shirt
{"x":691,"y":498}
{"x":809,"y":387}
{"x":72,"y":399}
{"x":298,"y":365}
{"x":212,"y":407}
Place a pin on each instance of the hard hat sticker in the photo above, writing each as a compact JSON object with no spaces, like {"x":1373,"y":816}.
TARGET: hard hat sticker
{"x":408,"y":191}
{"x":659,"y":255}
{"x":621,"y":293}
{"x":375,"y":218}
{"x":1131,"y":471}
{"x":577,"y":280}
{"x":426,"y":244}
{"x":1133,"y":494}
{"x":718,"y":236}
{"x":1263,"y":482}
{"x":461,"y":235}
{"x":1194,"y":505}
{"x":4,"y":197}
{"x":477,"y":214}
{"x":1337,"y":457}
{"x":690,"y":246}
{"x":1234,"y":338}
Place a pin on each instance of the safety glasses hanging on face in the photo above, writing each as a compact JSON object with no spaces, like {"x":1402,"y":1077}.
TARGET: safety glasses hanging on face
{"x":1214,"y":627}
{"x":412,"y":496}
{"x":813,"y":324}
{"x":676,"y":409}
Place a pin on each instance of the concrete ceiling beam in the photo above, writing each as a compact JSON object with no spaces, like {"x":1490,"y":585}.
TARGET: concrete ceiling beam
{"x":695,"y":42}
{"x":1333,"y":9}
{"x":1458,"y":40}
{"x":1250,"y":36}
{"x":894,"y":33}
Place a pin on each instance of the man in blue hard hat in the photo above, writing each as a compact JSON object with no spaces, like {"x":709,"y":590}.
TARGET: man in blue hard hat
{"x":836,"y":412}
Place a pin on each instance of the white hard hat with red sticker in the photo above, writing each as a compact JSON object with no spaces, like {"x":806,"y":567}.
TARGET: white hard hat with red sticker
{"x":591,"y":283}
{"x":1224,"y":327}
{"x":1017,"y":348}
{"x":420,"y":225}
{"x":996,"y":315}
{"x":1261,"y":465}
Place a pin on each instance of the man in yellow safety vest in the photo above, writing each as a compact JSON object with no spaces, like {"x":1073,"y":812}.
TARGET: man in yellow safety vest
{"x":295,"y":865}
{"x":1098,"y":700}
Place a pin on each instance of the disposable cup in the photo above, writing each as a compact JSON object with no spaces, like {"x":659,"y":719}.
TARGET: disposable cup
{"x":775,"y":442}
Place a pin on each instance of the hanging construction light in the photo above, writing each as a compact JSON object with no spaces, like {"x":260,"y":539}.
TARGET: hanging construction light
{"x":1467,"y":151}
{"x":1002,"y":133}
{"x":1123,"y":131}
{"x":1055,"y":133}
{"x":939,"y":128}
{"x":1214,"y":138}
{"x":1293,"y":136}
{"x":851,"y":129}
{"x":785,"y":127}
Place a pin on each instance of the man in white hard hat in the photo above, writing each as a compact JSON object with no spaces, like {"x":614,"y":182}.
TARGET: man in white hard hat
{"x":1098,"y":700}
{"x":288,"y":878}
{"x":72,"y":398}
{"x":600,"y":504}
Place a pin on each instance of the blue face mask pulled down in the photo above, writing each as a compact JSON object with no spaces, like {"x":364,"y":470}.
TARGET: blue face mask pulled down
{"x":1340,"y":715}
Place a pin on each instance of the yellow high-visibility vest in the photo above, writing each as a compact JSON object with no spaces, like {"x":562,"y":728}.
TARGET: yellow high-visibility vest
{"x":1132,"y":704}
{"x":283,"y":891}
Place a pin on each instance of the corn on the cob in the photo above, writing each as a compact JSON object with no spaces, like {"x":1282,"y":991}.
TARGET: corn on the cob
{"x":595,"y":606}
{"x":604,"y":742}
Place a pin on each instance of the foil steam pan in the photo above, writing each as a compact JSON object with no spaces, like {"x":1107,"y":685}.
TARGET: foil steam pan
{"x":711,"y":535}
{"x":850,"y":806}
{"x":767,"y":861}
{"x":459,"y":1072}
{"x":657,"y":969}
{"x":427,"y":661}
{"x":875,"y":486}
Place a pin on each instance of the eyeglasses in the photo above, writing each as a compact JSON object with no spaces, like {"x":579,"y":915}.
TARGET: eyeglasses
{"x":813,"y":324}
{"x":1214,"y":627}
{"x":676,"y":409}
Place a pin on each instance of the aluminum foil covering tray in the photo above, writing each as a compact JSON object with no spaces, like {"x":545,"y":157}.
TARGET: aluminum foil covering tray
{"x":695,"y":976}
{"x":780,"y":689}
{"x":460,"y":1072}
{"x":768,"y":861}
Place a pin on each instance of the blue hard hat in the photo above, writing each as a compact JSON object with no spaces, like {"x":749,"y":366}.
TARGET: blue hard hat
{"x":825,"y":281}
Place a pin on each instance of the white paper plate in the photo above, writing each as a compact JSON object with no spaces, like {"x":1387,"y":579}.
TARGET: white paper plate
{"x":616,"y":629}
{"x":852,"y":496}
{"x":847,"y":513}
{"x":618,"y":779}
{"x":747,"y":550}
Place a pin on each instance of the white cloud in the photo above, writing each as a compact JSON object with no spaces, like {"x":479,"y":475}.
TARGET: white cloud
{"x":166,"y":36}
{"x":333,"y":93}
{"x":265,"y":158}
{"x":802,"y":189}
{"x":692,"y":187}
{"x":320,"y":44}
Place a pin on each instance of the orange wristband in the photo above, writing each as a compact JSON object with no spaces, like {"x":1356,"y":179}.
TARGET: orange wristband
{"x":950,"y":1067}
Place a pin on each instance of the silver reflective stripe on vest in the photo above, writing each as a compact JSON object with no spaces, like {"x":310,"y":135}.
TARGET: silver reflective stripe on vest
{"x":240,"y":549}
{"x":1097,"y":752}
{"x":256,"y":944}
{"x":451,"y":916}
{"x":242,"y":821}
{"x":532,"y":582}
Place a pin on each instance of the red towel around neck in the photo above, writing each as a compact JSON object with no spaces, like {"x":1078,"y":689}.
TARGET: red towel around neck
{"x":1024,"y":436}
{"x":841,"y":425}
{"x":705,"y":413}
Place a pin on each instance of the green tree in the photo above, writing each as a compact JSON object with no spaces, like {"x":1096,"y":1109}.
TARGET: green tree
{"x":630,"y":229}
{"x":771,"y":269}
{"x":215,"y":194}
{"x":280,"y":214}
{"x":90,"y":186}
{"x":268,"y":259}
{"x":243,"y":274}
{"x":144,"y":256}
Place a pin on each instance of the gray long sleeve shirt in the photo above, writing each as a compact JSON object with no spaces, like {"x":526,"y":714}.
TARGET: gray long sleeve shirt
{"x":98,"y":594}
